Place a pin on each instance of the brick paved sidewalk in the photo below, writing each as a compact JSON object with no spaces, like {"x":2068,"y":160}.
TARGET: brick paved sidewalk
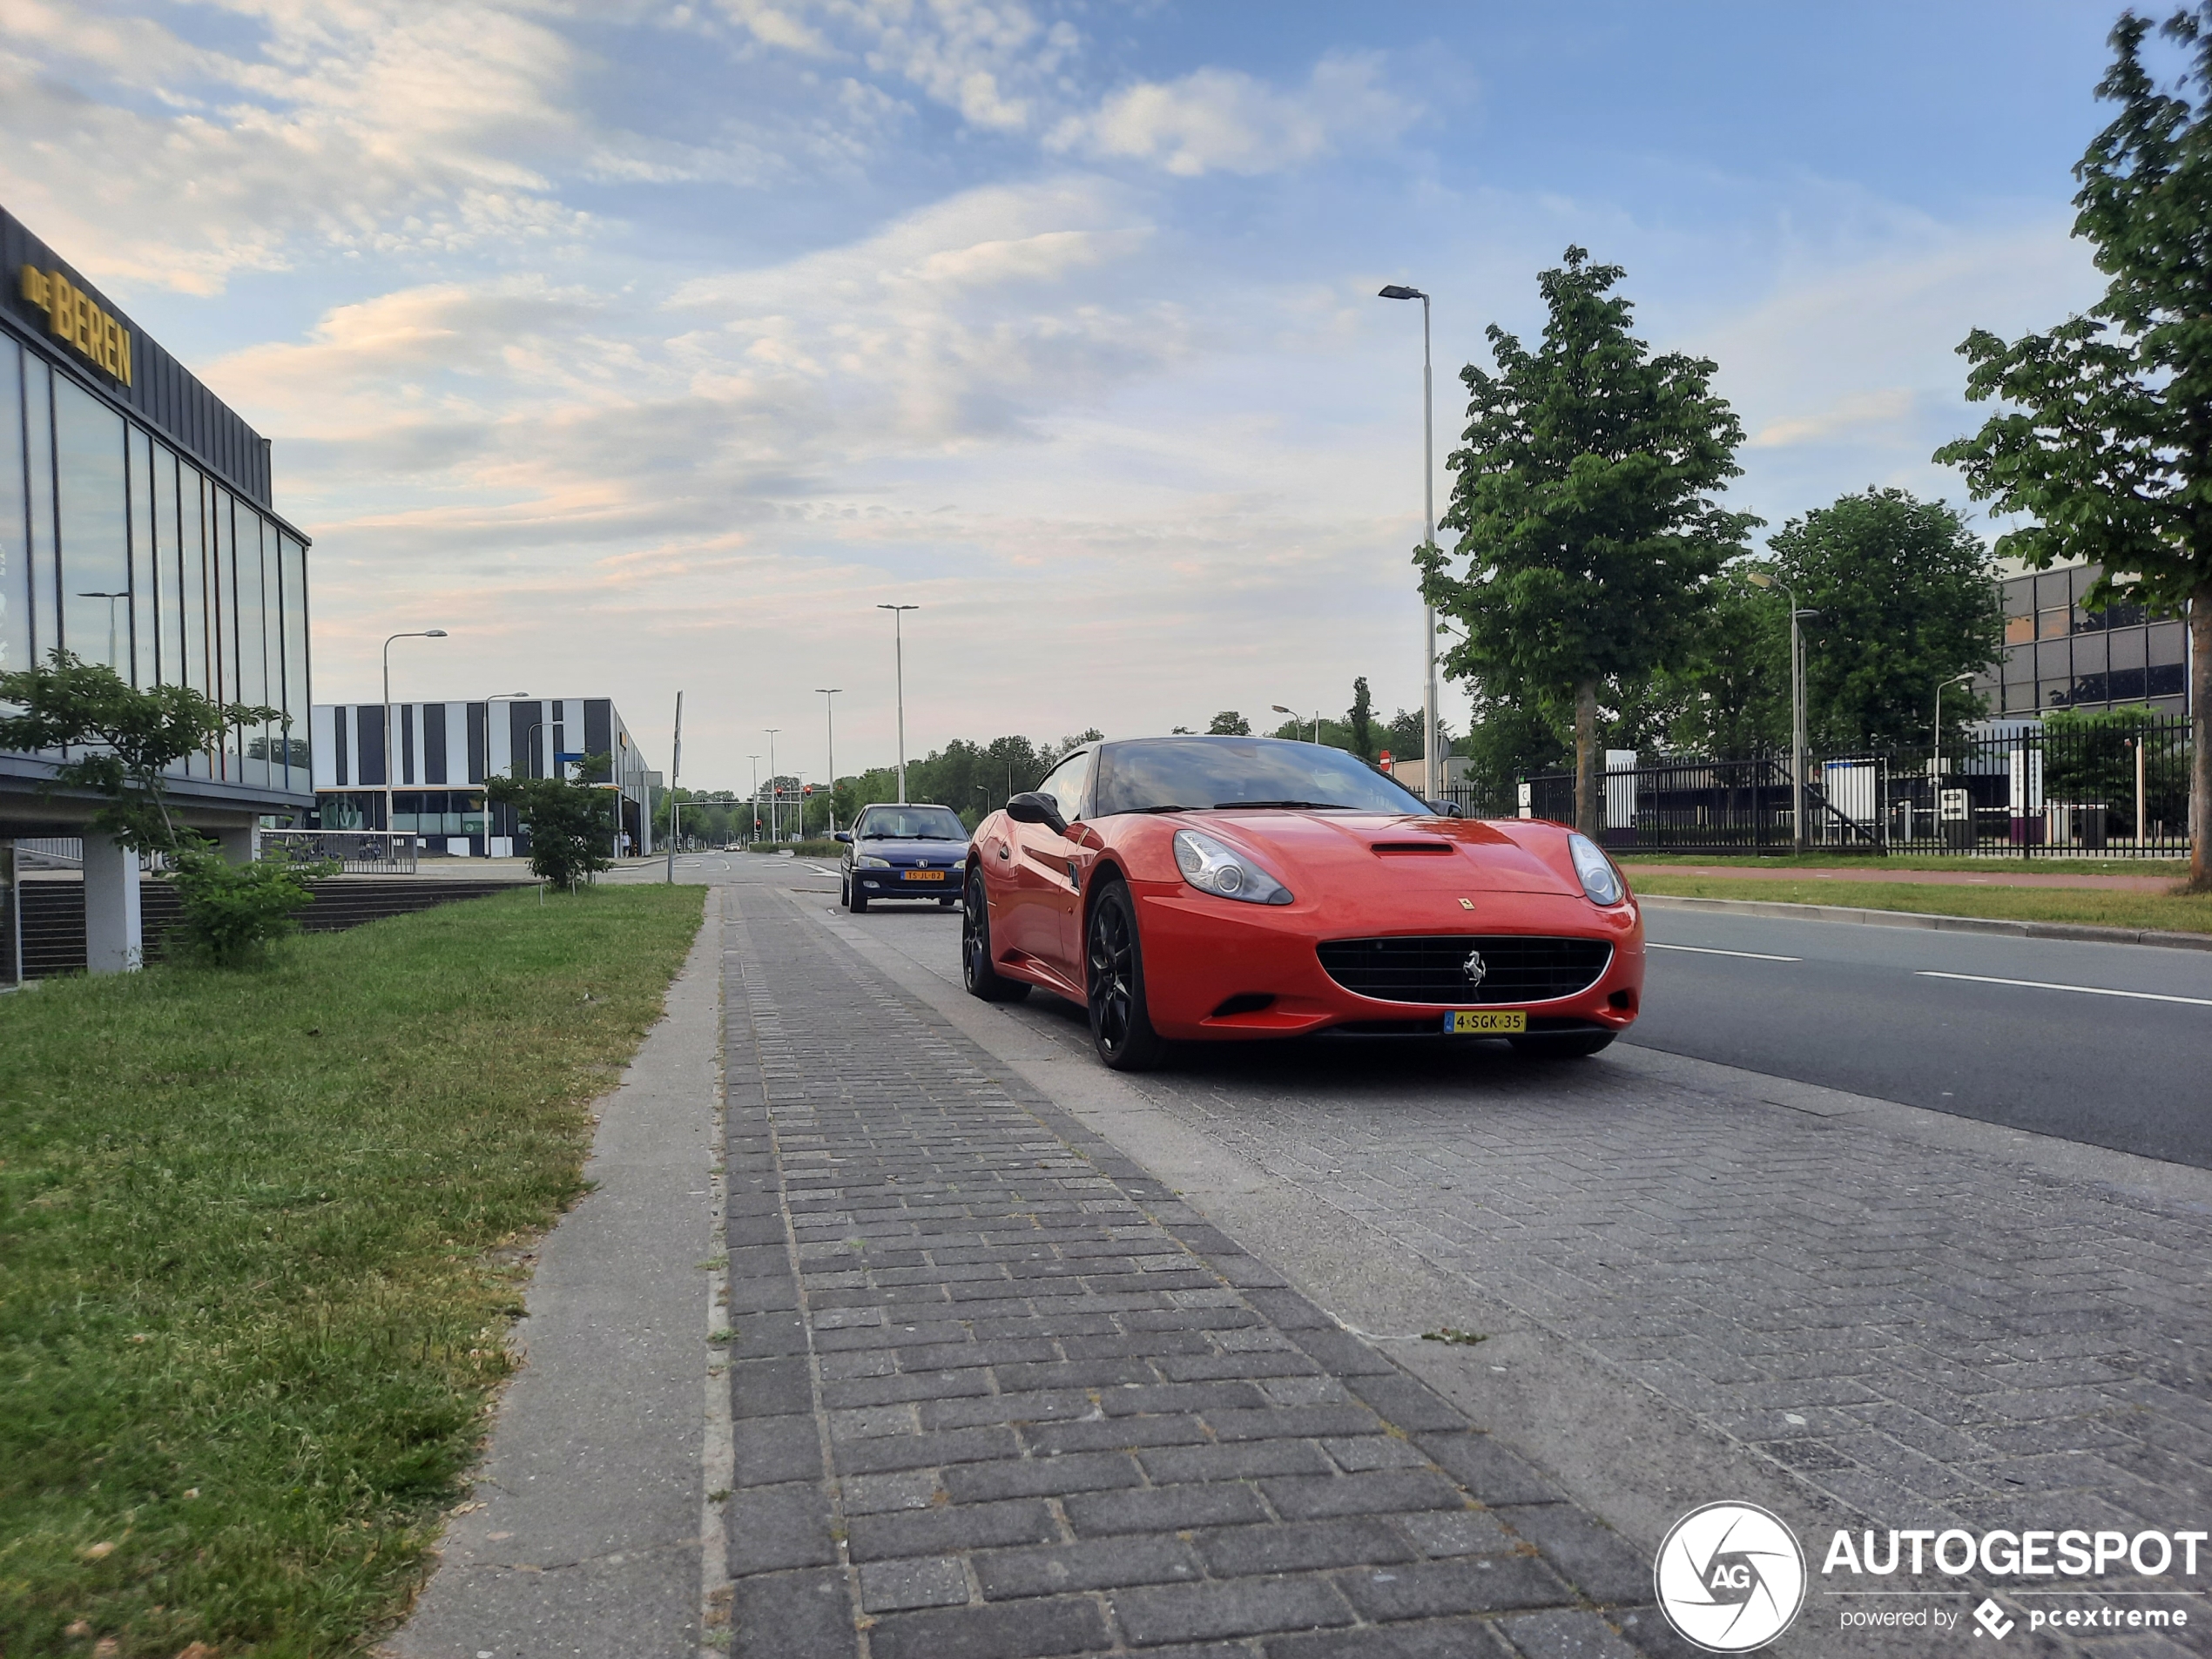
{"x":998,"y":1395}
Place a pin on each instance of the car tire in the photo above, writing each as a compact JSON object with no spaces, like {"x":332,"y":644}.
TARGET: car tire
{"x":975,"y":970}
{"x":1561,"y":1045}
{"x":947,"y":903}
{"x":1120,"y":1024}
{"x":855,"y":901}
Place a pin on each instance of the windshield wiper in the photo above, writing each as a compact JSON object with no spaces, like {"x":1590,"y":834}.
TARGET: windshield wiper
{"x":1324,"y":806}
{"x":936,"y":837}
{"x":1167,"y":808}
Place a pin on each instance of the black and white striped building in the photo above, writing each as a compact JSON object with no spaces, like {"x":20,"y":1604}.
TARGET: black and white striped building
{"x":441,"y":755}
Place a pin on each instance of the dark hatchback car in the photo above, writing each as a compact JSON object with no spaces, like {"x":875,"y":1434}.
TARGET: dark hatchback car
{"x":902,"y":852}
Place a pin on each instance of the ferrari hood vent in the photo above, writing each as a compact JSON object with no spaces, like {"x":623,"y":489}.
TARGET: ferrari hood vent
{"x":1412,"y":846}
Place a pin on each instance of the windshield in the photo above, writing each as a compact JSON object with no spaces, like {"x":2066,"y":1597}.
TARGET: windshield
{"x":912,"y":824}
{"x":1196,"y":773}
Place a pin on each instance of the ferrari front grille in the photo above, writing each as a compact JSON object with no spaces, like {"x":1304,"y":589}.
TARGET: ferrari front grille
{"x":1441,"y":968}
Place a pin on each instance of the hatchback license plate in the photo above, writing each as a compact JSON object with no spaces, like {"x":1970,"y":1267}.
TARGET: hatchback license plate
{"x":1485,"y":1023}
{"x":925,"y":875}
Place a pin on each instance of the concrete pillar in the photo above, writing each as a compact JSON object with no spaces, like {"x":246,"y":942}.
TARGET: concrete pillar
{"x":114,"y":942}
{"x":239,"y":843}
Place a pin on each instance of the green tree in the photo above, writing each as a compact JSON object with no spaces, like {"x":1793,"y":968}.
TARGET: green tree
{"x":1733,"y":685}
{"x":1229,"y":724}
{"x":1585,"y":506}
{"x":1907,"y":599}
{"x":2104,"y":441}
{"x":2090,"y":755}
{"x":1359,"y":720}
{"x":1512,"y":739}
{"x":122,"y":740}
{"x":571,"y":825}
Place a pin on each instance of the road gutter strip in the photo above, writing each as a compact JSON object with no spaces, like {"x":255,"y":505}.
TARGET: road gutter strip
{"x":2080,"y":931}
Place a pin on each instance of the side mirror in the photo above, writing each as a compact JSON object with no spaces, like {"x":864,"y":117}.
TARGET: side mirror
{"x":1447,"y":809}
{"x":841,"y":835}
{"x":1034,"y":808}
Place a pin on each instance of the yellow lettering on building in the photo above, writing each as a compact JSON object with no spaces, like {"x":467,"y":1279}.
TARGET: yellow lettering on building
{"x":72,"y":315}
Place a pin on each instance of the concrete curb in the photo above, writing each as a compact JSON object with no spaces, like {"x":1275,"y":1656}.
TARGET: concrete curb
{"x":2079,"y":931}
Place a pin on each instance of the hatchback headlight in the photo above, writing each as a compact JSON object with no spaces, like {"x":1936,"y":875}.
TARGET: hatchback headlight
{"x":869,"y":862}
{"x":1600,"y":880}
{"x":1216,"y":867}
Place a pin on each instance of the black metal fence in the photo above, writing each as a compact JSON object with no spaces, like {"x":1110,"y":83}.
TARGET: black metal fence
{"x":2113,"y":792}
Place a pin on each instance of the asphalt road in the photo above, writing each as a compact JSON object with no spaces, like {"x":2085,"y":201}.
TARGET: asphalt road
{"x":2053,"y":1036}
{"x":1929,"y":1019}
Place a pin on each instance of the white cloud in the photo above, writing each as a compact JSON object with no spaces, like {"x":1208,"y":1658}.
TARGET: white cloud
{"x":1219,"y":120}
{"x":371,"y":127}
{"x":1885,"y":407}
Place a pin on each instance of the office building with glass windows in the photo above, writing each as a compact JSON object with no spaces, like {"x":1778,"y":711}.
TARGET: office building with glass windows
{"x":2058,"y":654}
{"x":137,"y":530}
{"x":433,"y":761}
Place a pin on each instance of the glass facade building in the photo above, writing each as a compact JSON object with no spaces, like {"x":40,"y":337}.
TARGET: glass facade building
{"x":136,"y":531}
{"x":440,"y":755}
{"x":2060,"y":655}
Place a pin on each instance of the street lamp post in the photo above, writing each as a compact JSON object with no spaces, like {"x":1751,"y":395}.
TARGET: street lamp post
{"x":1935,"y":770}
{"x":425,"y":633}
{"x":829,"y":713}
{"x":1428,"y":508}
{"x":776,"y":798}
{"x":1295,"y":716}
{"x":497,"y":696}
{"x":755,"y":760}
{"x":675,"y":771}
{"x":1762,"y":579}
{"x":111,"y":598}
{"x":899,"y":659}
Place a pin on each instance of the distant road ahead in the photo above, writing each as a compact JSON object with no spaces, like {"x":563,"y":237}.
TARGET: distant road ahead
{"x":2110,"y":1044}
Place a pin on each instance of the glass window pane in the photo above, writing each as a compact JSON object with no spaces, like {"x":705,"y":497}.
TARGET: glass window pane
{"x":222,"y":566}
{"x":39,"y":474}
{"x":146,"y":589}
{"x":15,"y":565}
{"x":253,"y":661}
{"x":169,"y":592}
{"x":92,"y":515}
{"x":295,"y":658}
{"x":191,"y":585}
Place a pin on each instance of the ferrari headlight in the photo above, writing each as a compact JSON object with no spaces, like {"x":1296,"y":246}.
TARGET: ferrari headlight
{"x":1600,"y":880}
{"x":1216,"y":867}
{"x":869,"y":862}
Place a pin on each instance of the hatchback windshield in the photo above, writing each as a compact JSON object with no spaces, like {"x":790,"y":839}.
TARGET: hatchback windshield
{"x":1196,"y":773}
{"x":912,"y":824}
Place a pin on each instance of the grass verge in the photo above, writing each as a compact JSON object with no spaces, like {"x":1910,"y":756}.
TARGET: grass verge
{"x":253,"y":1299}
{"x":2167,"y":869}
{"x":2189,"y":913}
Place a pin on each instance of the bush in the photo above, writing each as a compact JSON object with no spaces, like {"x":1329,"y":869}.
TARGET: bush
{"x":232,"y":912}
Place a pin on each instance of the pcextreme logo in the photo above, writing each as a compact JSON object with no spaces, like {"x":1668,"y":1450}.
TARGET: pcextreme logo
{"x":1730,"y":1577}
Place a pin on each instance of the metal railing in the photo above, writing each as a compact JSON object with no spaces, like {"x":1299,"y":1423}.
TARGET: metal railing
{"x":2111,"y":792}
{"x":357,"y":852}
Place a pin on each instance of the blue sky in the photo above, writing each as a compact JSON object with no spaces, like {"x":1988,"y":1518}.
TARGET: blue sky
{"x":647,"y":346}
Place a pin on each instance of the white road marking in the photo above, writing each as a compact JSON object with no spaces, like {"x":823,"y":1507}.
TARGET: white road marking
{"x":1706,"y":950}
{"x":2084,"y":990}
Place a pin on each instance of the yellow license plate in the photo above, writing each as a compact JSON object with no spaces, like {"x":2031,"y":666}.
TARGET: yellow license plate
{"x":1485,"y":1023}
{"x":925,"y":875}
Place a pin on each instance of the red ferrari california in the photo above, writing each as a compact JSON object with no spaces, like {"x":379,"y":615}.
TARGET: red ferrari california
{"x":1218,"y":888}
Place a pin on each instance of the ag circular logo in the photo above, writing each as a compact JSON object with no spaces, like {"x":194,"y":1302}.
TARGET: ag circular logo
{"x":1730,"y":1577}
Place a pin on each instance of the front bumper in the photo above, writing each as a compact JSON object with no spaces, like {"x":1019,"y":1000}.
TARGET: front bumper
{"x":1203,"y":953}
{"x":894,"y":884}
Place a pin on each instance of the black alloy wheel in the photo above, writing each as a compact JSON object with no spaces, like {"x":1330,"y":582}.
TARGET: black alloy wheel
{"x":975,"y":970}
{"x":1561,"y":1045}
{"x":1121,"y":1026}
